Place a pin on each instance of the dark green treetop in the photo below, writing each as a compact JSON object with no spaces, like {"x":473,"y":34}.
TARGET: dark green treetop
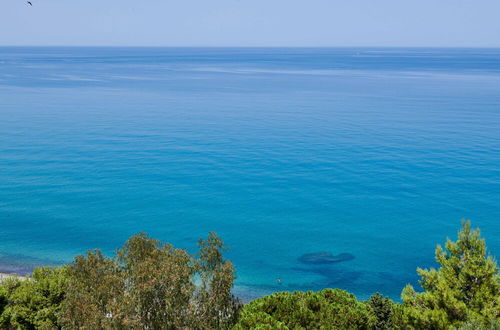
{"x":326,"y":309}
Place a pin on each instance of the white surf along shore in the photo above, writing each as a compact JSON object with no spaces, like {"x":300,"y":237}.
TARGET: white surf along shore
{"x":4,"y":276}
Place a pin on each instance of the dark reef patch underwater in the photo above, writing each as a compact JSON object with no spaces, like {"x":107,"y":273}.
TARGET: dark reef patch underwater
{"x":324,"y":258}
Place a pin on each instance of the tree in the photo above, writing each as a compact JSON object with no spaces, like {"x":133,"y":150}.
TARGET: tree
{"x":34,"y":303}
{"x":382,"y":309}
{"x":327,"y":309}
{"x":95,"y":297}
{"x":160,"y":282}
{"x":215,"y":304}
{"x":466,"y":287}
{"x":150,"y":285}
{"x":495,"y":325}
{"x":3,"y":303}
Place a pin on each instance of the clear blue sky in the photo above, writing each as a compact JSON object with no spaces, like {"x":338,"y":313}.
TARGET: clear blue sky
{"x":251,"y":22}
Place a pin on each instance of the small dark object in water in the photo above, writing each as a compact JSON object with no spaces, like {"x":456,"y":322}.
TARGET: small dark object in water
{"x":323,"y":258}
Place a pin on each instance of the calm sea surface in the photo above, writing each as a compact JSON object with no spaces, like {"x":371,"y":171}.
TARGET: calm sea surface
{"x":377,"y":153}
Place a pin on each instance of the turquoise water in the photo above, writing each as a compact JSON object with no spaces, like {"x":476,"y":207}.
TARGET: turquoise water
{"x":376,"y":153}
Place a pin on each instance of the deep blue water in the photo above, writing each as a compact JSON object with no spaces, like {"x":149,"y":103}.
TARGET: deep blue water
{"x":373,"y":152}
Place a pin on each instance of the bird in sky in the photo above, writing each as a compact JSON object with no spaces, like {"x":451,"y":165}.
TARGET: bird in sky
{"x":29,"y":3}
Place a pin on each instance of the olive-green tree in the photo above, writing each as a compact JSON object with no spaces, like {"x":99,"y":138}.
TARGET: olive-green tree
{"x":160,"y":283}
{"x":95,"y":297}
{"x":466,"y":287}
{"x":150,"y":285}
{"x":214,"y":302}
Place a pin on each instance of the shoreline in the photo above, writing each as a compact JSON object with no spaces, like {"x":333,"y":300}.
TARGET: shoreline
{"x":4,"y":276}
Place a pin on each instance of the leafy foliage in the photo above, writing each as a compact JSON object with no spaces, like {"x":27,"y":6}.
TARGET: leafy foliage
{"x":95,"y":297}
{"x":327,"y":309}
{"x":382,"y":308}
{"x":494,"y":325}
{"x":214,"y":302}
{"x":34,"y":303}
{"x":150,"y":285}
{"x":3,"y":302}
{"x":465,"y":288}
{"x":159,"y":282}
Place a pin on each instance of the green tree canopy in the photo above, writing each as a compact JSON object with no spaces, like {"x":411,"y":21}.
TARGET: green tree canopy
{"x":466,"y":287}
{"x":34,"y":303}
{"x":95,"y":297}
{"x":215,"y":303}
{"x":327,"y":309}
{"x":150,"y":285}
{"x":160,"y":282}
{"x":383,"y":309}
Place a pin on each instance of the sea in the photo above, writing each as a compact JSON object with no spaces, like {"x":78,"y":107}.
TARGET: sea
{"x":318,"y":167}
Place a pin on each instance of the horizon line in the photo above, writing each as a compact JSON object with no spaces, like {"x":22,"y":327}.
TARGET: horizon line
{"x":236,"y":46}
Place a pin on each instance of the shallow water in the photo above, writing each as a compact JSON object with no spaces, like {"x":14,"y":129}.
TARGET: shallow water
{"x":375,"y":153}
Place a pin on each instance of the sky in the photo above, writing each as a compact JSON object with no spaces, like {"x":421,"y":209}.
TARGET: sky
{"x":272,"y":23}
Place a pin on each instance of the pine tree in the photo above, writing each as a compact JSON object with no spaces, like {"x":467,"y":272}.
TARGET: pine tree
{"x":382,"y":308}
{"x":466,"y":288}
